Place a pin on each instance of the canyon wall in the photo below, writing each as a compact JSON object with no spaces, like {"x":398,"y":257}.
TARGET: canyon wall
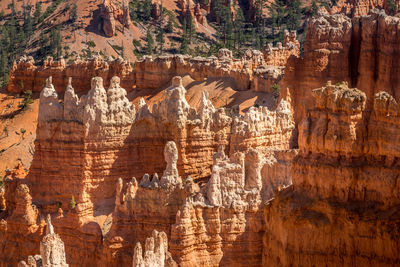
{"x":342,"y":208}
{"x":356,"y":8}
{"x":25,"y":75}
{"x":231,"y":190}
{"x":249,"y":72}
{"x":362,"y":51}
{"x":278,"y":56}
{"x":86,"y":144}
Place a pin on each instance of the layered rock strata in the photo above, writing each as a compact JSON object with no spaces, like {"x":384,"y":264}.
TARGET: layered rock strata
{"x":25,"y":75}
{"x":130,"y":139}
{"x":52,"y":252}
{"x":85,"y":144}
{"x":206,"y":226}
{"x":362,"y":51}
{"x":278,"y":56}
{"x":342,"y":208}
{"x":110,"y":12}
{"x":357,"y":8}
{"x":223,"y":224}
{"x":249,"y":72}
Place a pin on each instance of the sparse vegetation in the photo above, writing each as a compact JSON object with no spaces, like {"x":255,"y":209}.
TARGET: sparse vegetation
{"x":73,"y":203}
{"x":276,"y":90}
{"x":74,"y":13}
{"x":27,"y":100}
{"x":23,"y":131}
{"x":392,"y":7}
{"x":91,"y":44}
{"x":150,"y":43}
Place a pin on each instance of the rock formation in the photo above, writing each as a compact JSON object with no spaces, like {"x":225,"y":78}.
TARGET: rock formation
{"x":278,"y":56}
{"x":338,"y":49}
{"x":249,"y":72}
{"x":87,"y":144}
{"x":52,"y":253}
{"x":155,"y":253}
{"x":222,"y":224}
{"x":224,"y":188}
{"x":343,"y":199}
{"x":110,"y":12}
{"x":358,"y":8}
{"x":194,"y":10}
{"x":24,"y":75}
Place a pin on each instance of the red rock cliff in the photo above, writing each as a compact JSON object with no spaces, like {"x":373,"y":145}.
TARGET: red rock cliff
{"x":342,"y":208}
{"x":362,"y":51}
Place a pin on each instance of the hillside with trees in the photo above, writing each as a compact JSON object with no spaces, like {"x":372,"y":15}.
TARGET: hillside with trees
{"x":71,"y":28}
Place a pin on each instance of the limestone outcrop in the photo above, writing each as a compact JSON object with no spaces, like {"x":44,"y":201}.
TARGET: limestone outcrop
{"x":358,"y":8}
{"x":111,"y":12}
{"x":52,"y":253}
{"x":278,"y":56}
{"x":86,"y":145}
{"x":344,"y":186}
{"x":249,"y":72}
{"x":337,"y":49}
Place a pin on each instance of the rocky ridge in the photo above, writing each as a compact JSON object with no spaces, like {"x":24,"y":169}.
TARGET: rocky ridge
{"x":249,"y":72}
{"x":133,"y":141}
{"x":232,"y":191}
{"x":345,"y":187}
{"x":361,"y":51}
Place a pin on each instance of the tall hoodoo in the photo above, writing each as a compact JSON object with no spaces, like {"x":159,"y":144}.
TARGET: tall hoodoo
{"x":52,"y":251}
{"x":50,"y":108}
{"x":170,"y":176}
{"x":52,"y":248}
{"x":155,"y":253}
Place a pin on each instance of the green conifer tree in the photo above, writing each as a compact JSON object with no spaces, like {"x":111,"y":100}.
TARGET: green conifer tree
{"x":150,"y":43}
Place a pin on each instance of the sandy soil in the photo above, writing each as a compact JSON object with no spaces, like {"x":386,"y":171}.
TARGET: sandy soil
{"x":15,"y":146}
{"x":222,"y":92}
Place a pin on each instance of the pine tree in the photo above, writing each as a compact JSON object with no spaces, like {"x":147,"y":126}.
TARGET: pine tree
{"x":55,"y":42}
{"x":294,"y":15}
{"x":133,"y":11}
{"x":147,"y":7}
{"x":392,"y":7}
{"x":238,"y":29}
{"x":190,"y":28}
{"x":3,"y":68}
{"x":314,"y":8}
{"x":38,"y":13}
{"x":184,"y":49}
{"x":277,"y":13}
{"x":170,"y":26}
{"x":28,"y":26}
{"x":160,"y":38}
{"x":150,"y":43}
{"x":74,"y":13}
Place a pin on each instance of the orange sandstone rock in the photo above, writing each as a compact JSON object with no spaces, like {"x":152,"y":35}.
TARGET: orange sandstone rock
{"x":343,"y":201}
{"x":87,"y":144}
{"x":338,"y":49}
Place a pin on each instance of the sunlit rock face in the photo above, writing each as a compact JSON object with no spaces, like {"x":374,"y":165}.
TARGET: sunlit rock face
{"x":89,"y":150}
{"x":361,"y":51}
{"x":344,"y":185}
